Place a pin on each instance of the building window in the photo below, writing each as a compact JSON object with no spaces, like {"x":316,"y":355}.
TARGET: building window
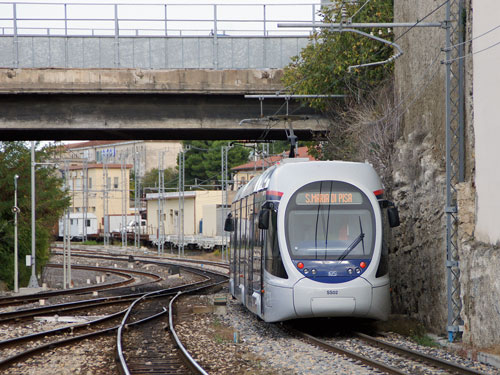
{"x":108,"y":183}
{"x":90,"y":182}
{"x":115,"y":183}
{"x":88,"y":223}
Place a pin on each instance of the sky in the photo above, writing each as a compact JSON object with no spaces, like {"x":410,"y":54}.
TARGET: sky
{"x":192,"y":17}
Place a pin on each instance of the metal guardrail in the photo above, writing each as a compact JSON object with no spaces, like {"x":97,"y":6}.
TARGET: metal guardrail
{"x":152,"y":36}
{"x":173,"y":19}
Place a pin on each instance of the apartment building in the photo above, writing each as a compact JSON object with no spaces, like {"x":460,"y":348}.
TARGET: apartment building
{"x":145,"y":155}
{"x":201,"y":214}
{"x":104,"y":189}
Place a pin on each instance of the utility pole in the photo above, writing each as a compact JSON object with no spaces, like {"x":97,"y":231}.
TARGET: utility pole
{"x":85,"y":186}
{"x":123,"y":176}
{"x":137,"y":171}
{"x":454,"y":157}
{"x":15,"y":209}
{"x":33,"y":283}
{"x":180,"y":216}
{"x":105,"y":201}
{"x":161,"y":192}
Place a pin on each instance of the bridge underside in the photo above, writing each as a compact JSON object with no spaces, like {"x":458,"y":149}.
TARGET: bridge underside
{"x":35,"y":116}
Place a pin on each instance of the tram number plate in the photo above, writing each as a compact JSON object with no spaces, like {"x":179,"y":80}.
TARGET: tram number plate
{"x":332,"y":273}
{"x":332,"y":292}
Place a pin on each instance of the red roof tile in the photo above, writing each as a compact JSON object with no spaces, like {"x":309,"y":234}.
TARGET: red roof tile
{"x":267,"y":162}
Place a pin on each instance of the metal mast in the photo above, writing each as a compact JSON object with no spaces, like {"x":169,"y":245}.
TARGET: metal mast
{"x":33,"y":283}
{"x":85,"y":186}
{"x":224,"y":188}
{"x":454,"y":156}
{"x":137,"y":235}
{"x":161,"y":192}
{"x":66,"y":229}
{"x":105,"y":201}
{"x":180,"y":216}
{"x":124,"y":199}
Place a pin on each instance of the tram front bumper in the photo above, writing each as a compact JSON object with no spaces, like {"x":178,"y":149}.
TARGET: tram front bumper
{"x":314,"y":299}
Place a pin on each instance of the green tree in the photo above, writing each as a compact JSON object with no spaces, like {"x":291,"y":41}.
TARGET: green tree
{"x":203,"y":161}
{"x":51,"y":201}
{"x":323,"y":68}
{"x":150,"y":179}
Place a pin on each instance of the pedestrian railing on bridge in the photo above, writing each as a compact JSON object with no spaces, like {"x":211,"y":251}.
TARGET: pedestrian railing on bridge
{"x":152,"y":36}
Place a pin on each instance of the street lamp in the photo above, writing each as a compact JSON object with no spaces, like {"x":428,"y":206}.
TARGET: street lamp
{"x":16,"y":210}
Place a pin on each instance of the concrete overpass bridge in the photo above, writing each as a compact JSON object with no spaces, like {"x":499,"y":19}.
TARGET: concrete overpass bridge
{"x":173,"y":74}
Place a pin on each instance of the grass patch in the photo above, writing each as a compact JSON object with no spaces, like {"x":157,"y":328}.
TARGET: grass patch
{"x":89,"y":242}
{"x":424,"y":340}
{"x":408,"y":327}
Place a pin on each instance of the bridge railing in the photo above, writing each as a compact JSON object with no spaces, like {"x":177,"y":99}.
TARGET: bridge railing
{"x":152,"y":36}
{"x":174,"y":19}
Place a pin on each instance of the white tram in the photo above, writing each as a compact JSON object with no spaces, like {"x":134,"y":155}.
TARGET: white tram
{"x":308,"y":241}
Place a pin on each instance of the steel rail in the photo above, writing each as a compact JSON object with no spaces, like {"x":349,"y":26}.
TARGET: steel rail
{"x":160,"y":293}
{"x":20,"y":339}
{"x":16,"y":300}
{"x":345,"y":352}
{"x":193,"y":365}
{"x":119,"y":333}
{"x":75,"y":305}
{"x":12,"y":359}
{"x":433,"y":361}
{"x":187,"y":358}
{"x":145,"y":259}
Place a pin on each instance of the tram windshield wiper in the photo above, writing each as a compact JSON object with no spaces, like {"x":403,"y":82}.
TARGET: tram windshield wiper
{"x":354,"y":243}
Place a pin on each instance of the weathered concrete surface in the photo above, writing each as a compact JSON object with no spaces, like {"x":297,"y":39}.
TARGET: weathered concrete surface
{"x":486,"y":115}
{"x":143,"y":104}
{"x":144,"y":116}
{"x":185,"y":81}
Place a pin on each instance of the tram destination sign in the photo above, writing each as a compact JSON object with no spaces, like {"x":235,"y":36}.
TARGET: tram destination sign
{"x":339,"y":197}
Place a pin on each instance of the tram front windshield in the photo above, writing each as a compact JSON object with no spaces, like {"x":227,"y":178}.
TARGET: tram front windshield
{"x":330,"y":220}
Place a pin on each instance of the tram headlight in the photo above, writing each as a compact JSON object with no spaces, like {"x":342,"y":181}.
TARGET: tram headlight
{"x":306,"y":270}
{"x":358,"y":270}
{"x":313,"y":271}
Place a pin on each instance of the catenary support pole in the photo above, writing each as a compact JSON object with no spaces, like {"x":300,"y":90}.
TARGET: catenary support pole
{"x":33,"y":283}
{"x":16,"y":211}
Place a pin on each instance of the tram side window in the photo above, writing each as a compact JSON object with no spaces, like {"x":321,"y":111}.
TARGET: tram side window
{"x":256,"y":247}
{"x":235,"y":241}
{"x":383,"y":267}
{"x":274,"y":263}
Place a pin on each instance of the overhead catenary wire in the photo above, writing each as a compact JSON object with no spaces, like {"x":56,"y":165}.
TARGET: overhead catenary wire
{"x":419,"y":21}
{"x":470,"y":54}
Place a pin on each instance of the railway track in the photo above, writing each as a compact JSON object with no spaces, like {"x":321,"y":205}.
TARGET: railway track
{"x":126,"y":274}
{"x":150,"y":350}
{"x":31,"y":345}
{"x":152,"y":259}
{"x":385,"y":357}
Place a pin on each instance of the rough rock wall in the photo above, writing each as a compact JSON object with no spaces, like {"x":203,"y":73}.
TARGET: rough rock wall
{"x":418,"y":274}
